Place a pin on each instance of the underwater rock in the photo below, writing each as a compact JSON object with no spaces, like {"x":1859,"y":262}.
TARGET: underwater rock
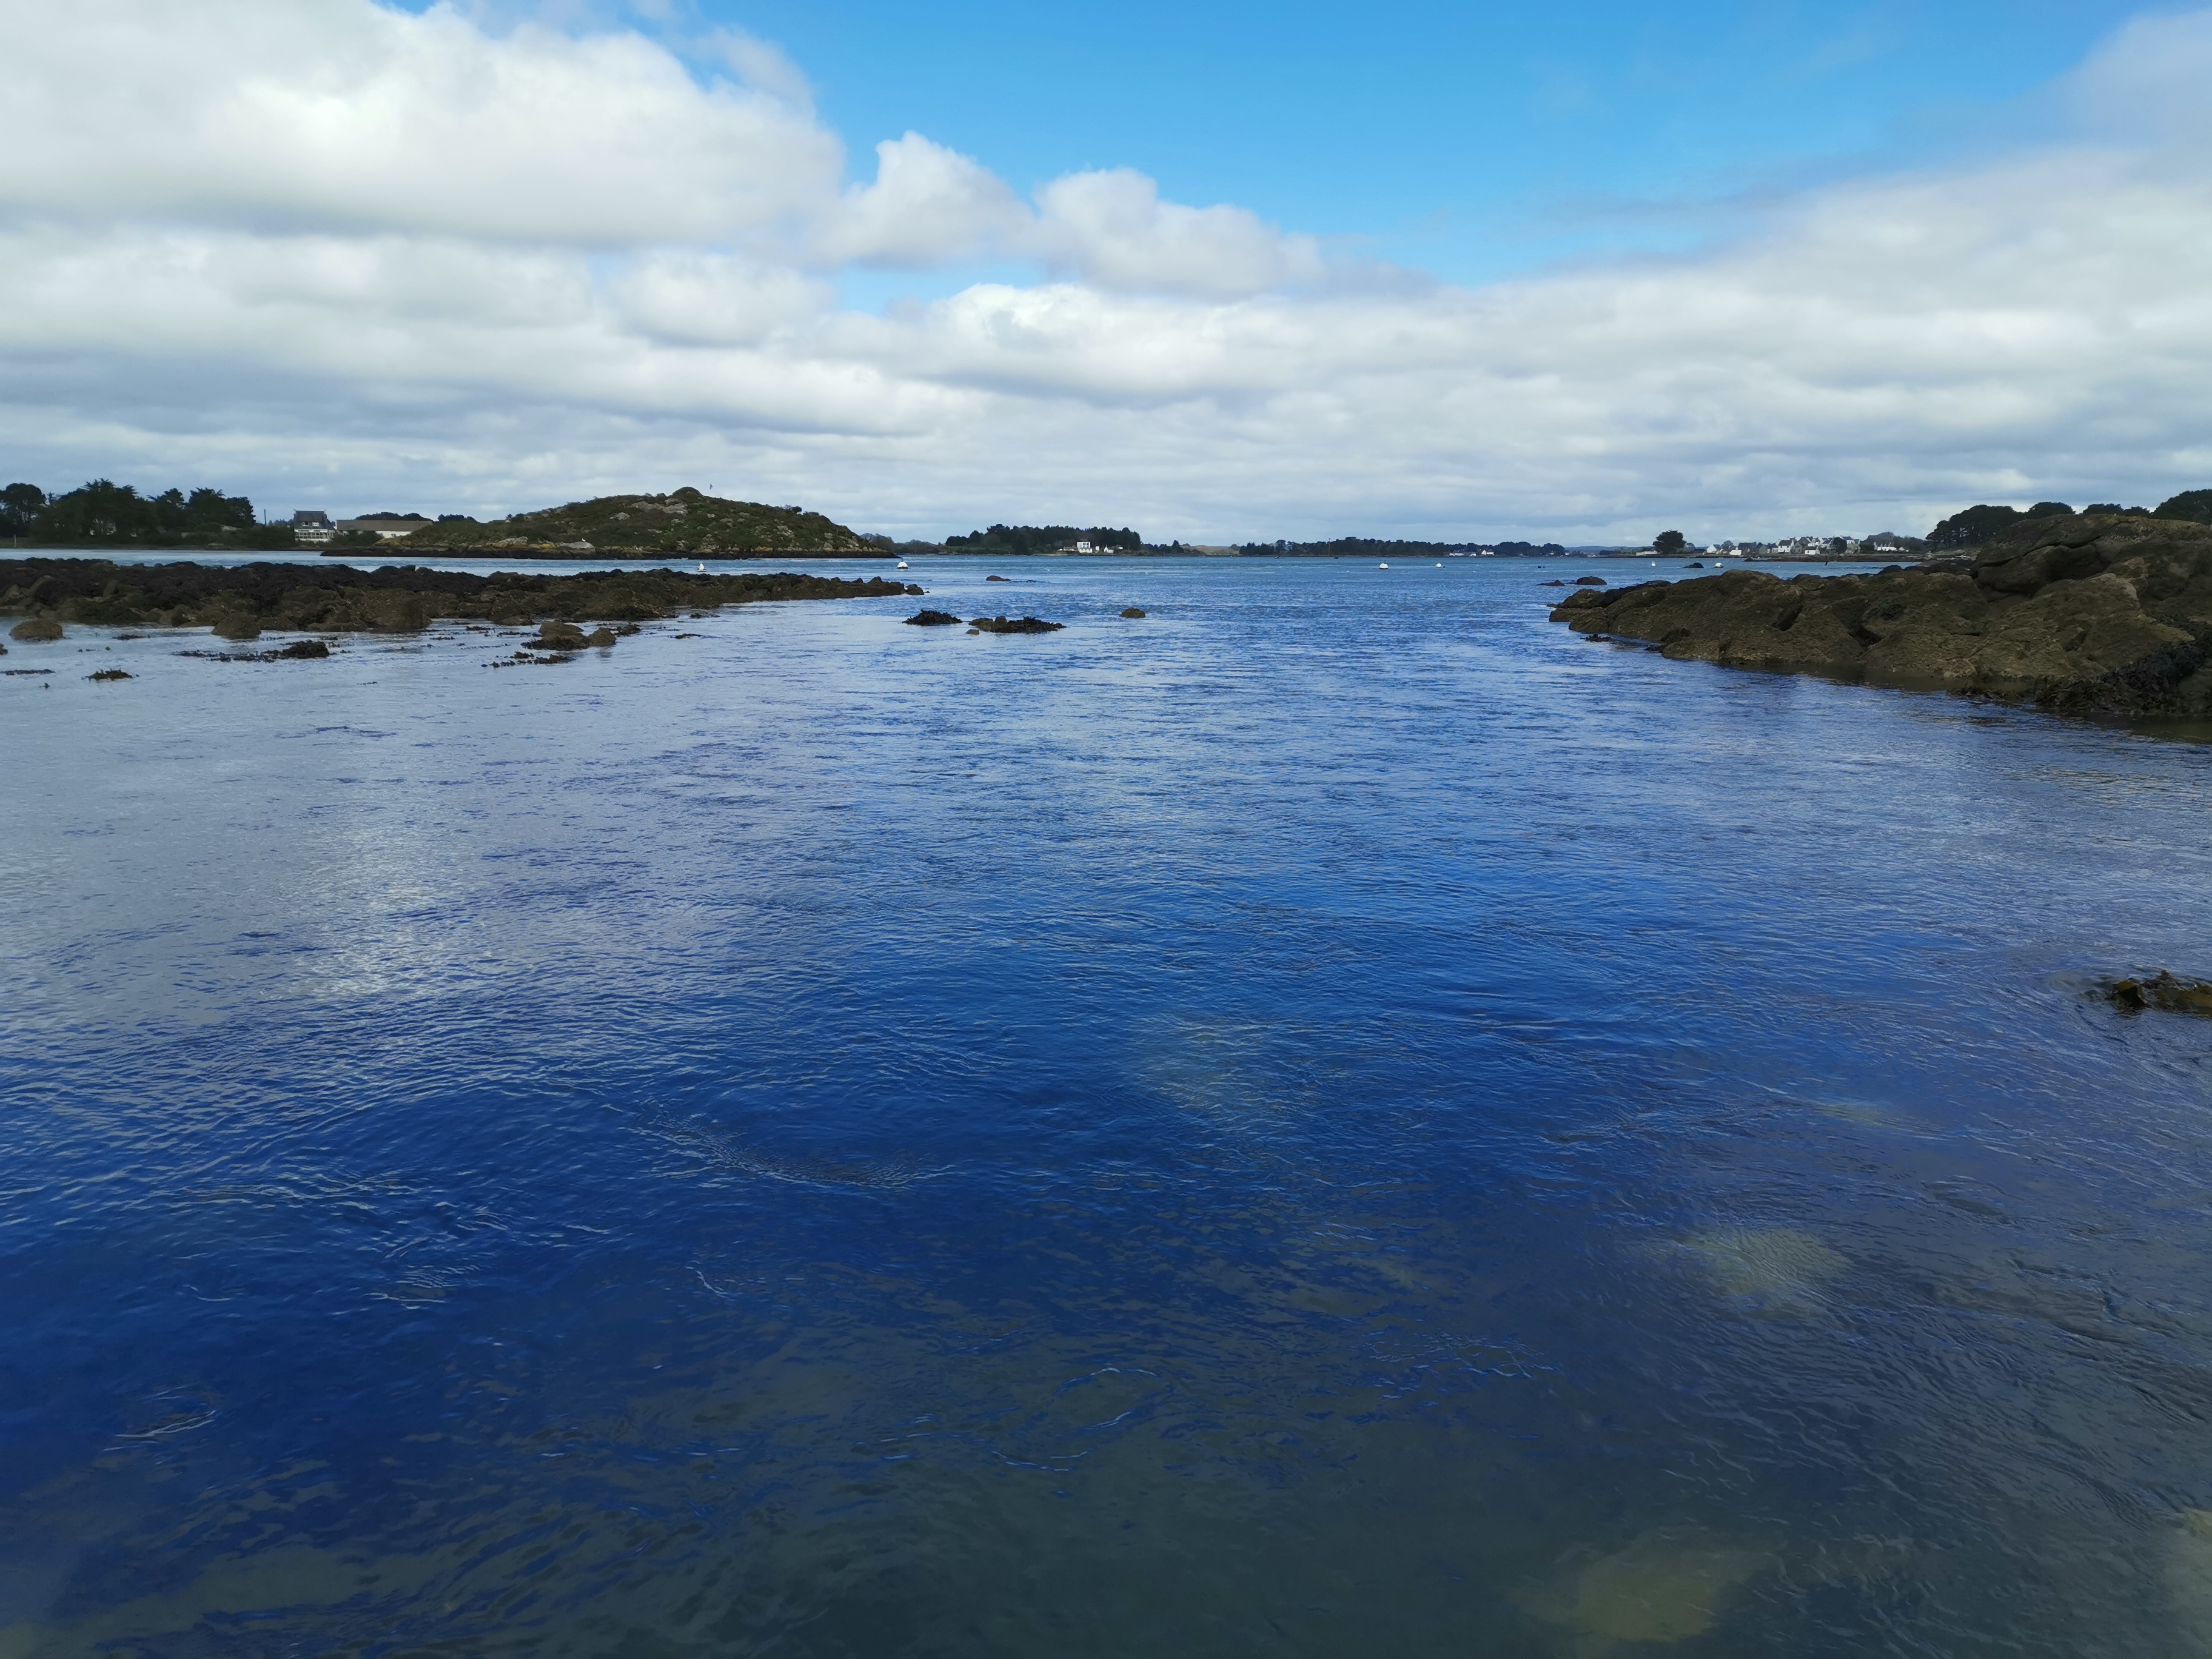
{"x":2081,"y":614}
{"x":1590,"y":581}
{"x":1667,"y":1585}
{"x":1016,"y":625}
{"x":2162,"y":991}
{"x":38,"y":627}
{"x":109,"y":674}
{"x":1556,"y":581}
{"x":1778,"y":1269}
{"x":1133,"y":612}
{"x":933,"y":619}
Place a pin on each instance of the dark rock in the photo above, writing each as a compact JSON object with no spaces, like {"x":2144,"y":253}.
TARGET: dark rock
{"x":108,"y":674}
{"x":559,"y":637}
{"x":932,"y":619}
{"x":237,"y":627}
{"x":1133,"y":612}
{"x":998,"y":579}
{"x":2110,"y":615}
{"x":396,"y":598}
{"x":1693,"y":565}
{"x":1556,"y":581}
{"x":302,"y":651}
{"x":2162,"y":990}
{"x":37,"y":628}
{"x":975,"y":630}
{"x":1017,"y":625}
{"x":602,"y":637}
{"x":1590,"y":581}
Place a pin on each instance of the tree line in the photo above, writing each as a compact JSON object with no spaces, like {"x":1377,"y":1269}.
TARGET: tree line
{"x":104,"y":513}
{"x":1044,"y":539}
{"x":1978,"y":524}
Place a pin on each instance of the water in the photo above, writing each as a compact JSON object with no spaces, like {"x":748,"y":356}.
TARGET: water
{"x":1339,"y":1119}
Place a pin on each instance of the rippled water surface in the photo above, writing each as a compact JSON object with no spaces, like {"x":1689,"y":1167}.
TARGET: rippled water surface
{"x":1339,"y":1119}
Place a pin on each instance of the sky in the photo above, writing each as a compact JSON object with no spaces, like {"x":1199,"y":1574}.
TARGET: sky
{"x":1222,"y":273}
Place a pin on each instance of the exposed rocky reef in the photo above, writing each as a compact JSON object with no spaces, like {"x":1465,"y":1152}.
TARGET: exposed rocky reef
{"x":238,"y":602}
{"x":2079,"y":614}
{"x":927,"y":618}
{"x":1016,"y":625}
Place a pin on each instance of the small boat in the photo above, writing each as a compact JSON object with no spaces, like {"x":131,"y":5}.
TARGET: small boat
{"x":1382,"y":566}
{"x":901,"y":564}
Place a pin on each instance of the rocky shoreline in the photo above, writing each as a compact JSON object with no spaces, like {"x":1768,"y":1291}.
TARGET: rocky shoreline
{"x":2102,"y":615}
{"x":238,"y":602}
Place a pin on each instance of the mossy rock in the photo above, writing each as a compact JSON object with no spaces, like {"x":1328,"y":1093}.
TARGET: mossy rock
{"x":35,"y":629}
{"x":109,"y":674}
{"x":238,"y":627}
{"x":559,"y":637}
{"x":302,"y":650}
{"x":2164,"y":991}
{"x":602,"y":637}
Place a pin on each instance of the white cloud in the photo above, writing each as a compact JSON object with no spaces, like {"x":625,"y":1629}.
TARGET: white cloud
{"x":928,"y":205}
{"x":1112,"y":230}
{"x":288,"y":242}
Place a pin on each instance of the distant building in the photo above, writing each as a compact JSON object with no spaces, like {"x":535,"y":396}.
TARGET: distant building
{"x":310,"y":528}
{"x":388,"y":526}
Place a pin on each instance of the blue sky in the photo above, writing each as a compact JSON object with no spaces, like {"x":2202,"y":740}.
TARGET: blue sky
{"x":1469,"y":141}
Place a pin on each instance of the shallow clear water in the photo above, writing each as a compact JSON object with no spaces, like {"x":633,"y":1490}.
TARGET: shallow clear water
{"x":1338,"y":1119}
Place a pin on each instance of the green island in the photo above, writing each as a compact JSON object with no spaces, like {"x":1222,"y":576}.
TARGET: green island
{"x":239,"y":602}
{"x":686,"y":522}
{"x":2097,"y":613}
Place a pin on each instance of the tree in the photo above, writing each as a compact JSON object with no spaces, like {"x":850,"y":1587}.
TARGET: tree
{"x":2189,"y":504}
{"x":1668,"y":543}
{"x":1973,"y":527}
{"x":19,"y":508}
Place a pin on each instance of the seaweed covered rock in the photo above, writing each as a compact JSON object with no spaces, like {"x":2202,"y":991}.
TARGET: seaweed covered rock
{"x":395,"y":599}
{"x":1015,"y":625}
{"x":238,"y":625}
{"x":926,"y":618}
{"x":302,"y":651}
{"x":109,"y":674}
{"x":2103,"y":615}
{"x":559,"y":637}
{"x":1590,"y":581}
{"x":1133,"y":612}
{"x":37,"y":628}
{"x":2162,"y":990}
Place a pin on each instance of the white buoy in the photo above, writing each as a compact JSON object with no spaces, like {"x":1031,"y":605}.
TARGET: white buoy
{"x":901,"y":564}
{"x":1382,"y":566}
{"x":702,"y":567}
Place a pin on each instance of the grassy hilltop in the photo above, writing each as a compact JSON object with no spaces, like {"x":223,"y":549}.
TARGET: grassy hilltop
{"x":688,"y":522}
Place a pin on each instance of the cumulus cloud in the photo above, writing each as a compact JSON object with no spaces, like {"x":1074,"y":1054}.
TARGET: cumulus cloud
{"x":315,"y":240}
{"x":928,"y":205}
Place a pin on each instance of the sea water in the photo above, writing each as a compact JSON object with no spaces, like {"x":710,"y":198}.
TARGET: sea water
{"x":1338,"y":1118}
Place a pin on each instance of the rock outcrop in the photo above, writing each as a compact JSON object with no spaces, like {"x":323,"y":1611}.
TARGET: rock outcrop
{"x":241,"y":601}
{"x":926,"y":618}
{"x":2161,"y":990}
{"x":1015,"y":625}
{"x":2088,"y":615}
